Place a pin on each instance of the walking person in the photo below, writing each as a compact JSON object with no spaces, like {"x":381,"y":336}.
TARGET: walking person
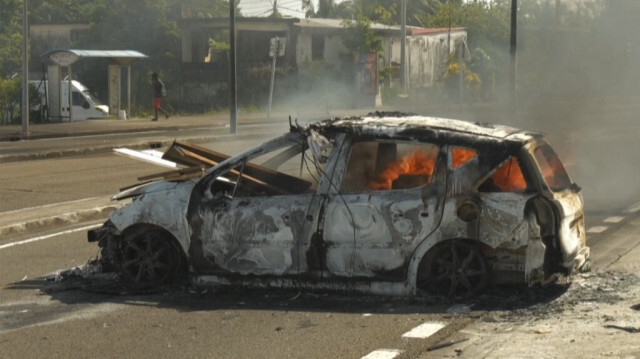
{"x":159,"y":92}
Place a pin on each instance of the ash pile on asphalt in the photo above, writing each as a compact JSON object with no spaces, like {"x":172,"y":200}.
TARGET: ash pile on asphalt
{"x":516,"y":303}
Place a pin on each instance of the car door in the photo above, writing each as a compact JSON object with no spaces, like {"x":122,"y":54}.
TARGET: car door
{"x":254,"y":219}
{"x":388,"y":201}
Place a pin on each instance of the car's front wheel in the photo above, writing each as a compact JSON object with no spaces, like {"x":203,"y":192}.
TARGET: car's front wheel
{"x":150,"y":259}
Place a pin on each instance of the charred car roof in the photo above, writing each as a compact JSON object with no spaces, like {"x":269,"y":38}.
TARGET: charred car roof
{"x":414,"y":127}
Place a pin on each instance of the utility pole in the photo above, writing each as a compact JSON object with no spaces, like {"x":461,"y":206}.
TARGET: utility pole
{"x":513,"y":46}
{"x":25,"y":70}
{"x":233,"y":103}
{"x":403,"y":44}
{"x":276,"y":48}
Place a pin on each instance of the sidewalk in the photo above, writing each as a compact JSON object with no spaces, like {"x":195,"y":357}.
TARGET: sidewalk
{"x":114,"y":126}
{"x":58,"y":214}
{"x":140,"y":124}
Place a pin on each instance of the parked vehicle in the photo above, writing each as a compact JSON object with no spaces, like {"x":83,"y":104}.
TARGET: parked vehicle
{"x":85,"y":104}
{"x":385,"y":204}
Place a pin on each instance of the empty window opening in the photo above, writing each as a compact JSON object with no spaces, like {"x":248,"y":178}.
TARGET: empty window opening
{"x":507,"y":178}
{"x":317,"y":47}
{"x":460,"y":156}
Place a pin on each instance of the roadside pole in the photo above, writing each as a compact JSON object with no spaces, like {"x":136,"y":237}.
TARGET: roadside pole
{"x":403,"y":44}
{"x":233,"y":103}
{"x":513,"y":46}
{"x":276,"y":49}
{"x":25,"y":70}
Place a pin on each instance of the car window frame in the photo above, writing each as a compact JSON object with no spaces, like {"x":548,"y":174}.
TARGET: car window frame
{"x":354,"y":140}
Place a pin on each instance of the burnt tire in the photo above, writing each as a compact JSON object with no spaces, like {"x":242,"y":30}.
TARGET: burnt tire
{"x":151,"y":259}
{"x":454,"y":268}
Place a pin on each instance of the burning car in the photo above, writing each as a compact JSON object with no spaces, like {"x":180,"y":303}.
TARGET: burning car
{"x":384,"y":204}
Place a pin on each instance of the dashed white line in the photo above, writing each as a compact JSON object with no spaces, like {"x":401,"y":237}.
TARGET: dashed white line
{"x":424,"y":330}
{"x":383,"y":354}
{"x":634,"y":208}
{"x":597,"y":229}
{"x":614,"y":219}
{"x":35,"y":239}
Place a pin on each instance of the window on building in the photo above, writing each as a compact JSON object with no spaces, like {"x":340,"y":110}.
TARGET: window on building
{"x":317,"y":47}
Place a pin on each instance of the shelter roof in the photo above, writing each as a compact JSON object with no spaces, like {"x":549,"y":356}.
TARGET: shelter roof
{"x":122,"y":57}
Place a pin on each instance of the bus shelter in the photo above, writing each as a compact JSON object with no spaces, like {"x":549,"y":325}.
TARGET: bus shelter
{"x":65,"y":58}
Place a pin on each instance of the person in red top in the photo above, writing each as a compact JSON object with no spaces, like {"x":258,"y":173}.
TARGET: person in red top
{"x":158,"y":93}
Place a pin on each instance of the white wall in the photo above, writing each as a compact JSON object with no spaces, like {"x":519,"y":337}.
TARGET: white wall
{"x":427,"y":57}
{"x":333,"y":47}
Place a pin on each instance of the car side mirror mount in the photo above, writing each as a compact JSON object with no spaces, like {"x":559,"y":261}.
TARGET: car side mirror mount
{"x":575,"y":188}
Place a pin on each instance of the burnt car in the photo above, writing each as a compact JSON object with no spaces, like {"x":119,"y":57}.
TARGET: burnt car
{"x":384,"y":204}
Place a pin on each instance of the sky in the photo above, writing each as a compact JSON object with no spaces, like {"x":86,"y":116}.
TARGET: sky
{"x":291,"y":8}
{"x":263,"y":7}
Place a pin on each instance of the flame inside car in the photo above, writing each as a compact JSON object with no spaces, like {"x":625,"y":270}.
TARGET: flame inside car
{"x":418,"y":164}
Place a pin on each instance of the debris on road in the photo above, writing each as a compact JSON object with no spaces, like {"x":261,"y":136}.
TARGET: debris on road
{"x":446,"y":344}
{"x":627,"y":329}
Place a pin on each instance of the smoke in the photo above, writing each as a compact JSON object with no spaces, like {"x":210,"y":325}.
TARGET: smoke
{"x":578,"y":82}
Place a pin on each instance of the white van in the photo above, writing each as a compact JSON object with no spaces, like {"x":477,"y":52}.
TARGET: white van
{"x":85,"y":104}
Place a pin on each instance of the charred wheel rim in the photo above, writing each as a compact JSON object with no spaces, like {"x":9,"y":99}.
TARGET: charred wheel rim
{"x":457,"y":268}
{"x":149,"y":260}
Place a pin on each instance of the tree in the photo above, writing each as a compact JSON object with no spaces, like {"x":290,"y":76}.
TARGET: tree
{"x":358,"y":37}
{"x":10,"y":36}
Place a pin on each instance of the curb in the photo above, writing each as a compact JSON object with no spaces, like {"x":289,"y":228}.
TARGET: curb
{"x":59,"y":220}
{"x":109,"y":148}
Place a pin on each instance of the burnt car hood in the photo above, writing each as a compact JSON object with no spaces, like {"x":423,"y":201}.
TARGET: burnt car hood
{"x":157,"y":186}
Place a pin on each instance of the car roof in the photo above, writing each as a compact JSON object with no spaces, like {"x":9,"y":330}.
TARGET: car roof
{"x":410,"y":125}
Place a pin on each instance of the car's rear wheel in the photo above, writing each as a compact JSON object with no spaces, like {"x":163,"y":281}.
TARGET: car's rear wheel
{"x":150,"y":259}
{"x":454,"y":268}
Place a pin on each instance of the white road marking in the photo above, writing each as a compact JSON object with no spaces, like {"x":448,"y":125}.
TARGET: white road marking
{"x":36,"y":239}
{"x":383,"y":354}
{"x":424,"y":330}
{"x":614,"y":219}
{"x":597,"y":229}
{"x":29,"y":209}
{"x":634,"y":208}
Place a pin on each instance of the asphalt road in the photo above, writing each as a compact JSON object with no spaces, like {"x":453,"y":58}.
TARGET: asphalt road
{"x":67,"y":322}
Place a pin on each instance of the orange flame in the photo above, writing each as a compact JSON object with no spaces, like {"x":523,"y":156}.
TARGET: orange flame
{"x":509,"y":177}
{"x":461,"y":156}
{"x":418,"y":162}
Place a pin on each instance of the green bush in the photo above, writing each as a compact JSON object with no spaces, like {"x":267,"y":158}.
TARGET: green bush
{"x":10,"y":95}
{"x":11,"y":102}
